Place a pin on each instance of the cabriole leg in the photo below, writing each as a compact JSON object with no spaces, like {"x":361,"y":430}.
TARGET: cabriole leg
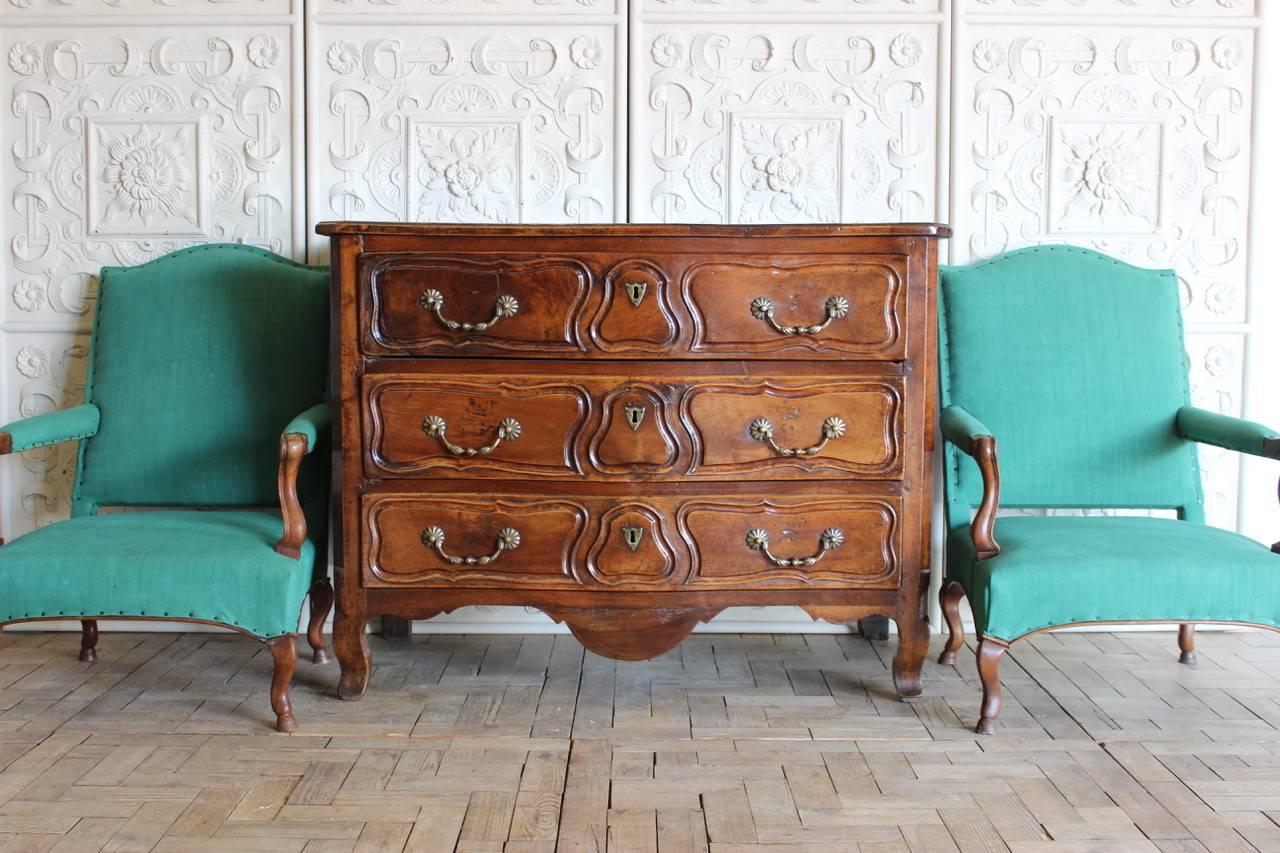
{"x":352,"y":648}
{"x":89,"y":640}
{"x":1187,"y":644}
{"x":913,"y":648}
{"x":321,"y":604}
{"x":990,"y":651}
{"x":285,"y":654}
{"x":949,"y":597}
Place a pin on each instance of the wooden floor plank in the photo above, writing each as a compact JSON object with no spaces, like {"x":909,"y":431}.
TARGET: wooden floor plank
{"x":728,"y":743}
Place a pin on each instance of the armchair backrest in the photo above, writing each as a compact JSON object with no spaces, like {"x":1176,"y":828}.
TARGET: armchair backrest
{"x":198,"y":361}
{"x":1075,"y":361}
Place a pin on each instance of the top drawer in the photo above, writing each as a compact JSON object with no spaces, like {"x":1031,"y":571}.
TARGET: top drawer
{"x":691,"y":305}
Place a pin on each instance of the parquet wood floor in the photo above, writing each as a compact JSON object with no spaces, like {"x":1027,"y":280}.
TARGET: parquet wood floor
{"x":727,"y":744}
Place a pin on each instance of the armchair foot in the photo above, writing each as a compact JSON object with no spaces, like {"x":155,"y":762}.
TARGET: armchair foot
{"x":949,"y":598}
{"x":321,"y":605}
{"x":1187,"y":644}
{"x":89,"y":640}
{"x":990,"y":651}
{"x":286,"y":658}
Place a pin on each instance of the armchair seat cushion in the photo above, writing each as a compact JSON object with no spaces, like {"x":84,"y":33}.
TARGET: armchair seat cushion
{"x":214,"y":566}
{"x":1061,"y":570}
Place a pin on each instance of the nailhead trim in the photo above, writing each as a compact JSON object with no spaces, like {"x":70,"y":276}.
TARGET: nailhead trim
{"x":141,"y":613}
{"x":59,"y":440}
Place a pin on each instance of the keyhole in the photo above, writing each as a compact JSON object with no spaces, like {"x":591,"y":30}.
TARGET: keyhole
{"x":631,"y":534}
{"x":634,"y":416}
{"x":636,"y":291}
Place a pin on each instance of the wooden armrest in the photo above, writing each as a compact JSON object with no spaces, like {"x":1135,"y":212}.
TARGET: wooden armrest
{"x":293,"y":446}
{"x":1275,"y":548}
{"x":982,"y":530}
{"x":970,"y":435}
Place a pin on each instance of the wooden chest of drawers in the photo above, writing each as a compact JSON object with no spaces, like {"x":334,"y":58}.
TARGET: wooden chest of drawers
{"x":633,"y":427}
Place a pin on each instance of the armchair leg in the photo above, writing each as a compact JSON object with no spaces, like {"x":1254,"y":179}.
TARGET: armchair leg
{"x":321,"y":605}
{"x":990,"y":651}
{"x":1187,"y":644}
{"x":949,"y":597}
{"x":89,"y":640}
{"x":286,"y":658}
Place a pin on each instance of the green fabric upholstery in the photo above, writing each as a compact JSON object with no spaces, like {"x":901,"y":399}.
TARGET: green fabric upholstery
{"x":1060,"y":570}
{"x":1227,"y":432}
{"x":199,"y":358}
{"x":216,"y":566}
{"x":310,"y":423}
{"x":71,"y":424}
{"x":1075,"y":363}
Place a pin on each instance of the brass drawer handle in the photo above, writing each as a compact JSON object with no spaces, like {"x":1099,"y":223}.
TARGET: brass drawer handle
{"x":831,"y":539}
{"x":433,"y":301}
{"x":837,"y":307}
{"x":508,"y":540}
{"x":434,"y":426}
{"x":832,"y":427}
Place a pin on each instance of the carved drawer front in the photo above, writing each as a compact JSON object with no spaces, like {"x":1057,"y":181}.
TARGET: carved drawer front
{"x":838,"y":306}
{"x":581,"y":422}
{"x":441,"y":304}
{"x":474,"y":426}
{"x":488,"y":542}
{"x":592,"y":541}
{"x":740,"y":543}
{"x":795,"y":429}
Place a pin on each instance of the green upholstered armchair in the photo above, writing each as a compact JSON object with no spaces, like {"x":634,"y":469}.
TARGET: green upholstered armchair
{"x":1075,"y":363}
{"x":206,"y":375}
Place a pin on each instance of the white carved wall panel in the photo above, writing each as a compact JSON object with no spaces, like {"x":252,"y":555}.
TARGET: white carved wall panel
{"x":122,"y":142}
{"x":1030,"y":10}
{"x":429,"y":119}
{"x":1132,"y":140}
{"x":43,"y":371}
{"x":740,"y":121}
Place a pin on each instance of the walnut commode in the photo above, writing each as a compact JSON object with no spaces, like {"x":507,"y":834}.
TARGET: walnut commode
{"x":632,"y":428}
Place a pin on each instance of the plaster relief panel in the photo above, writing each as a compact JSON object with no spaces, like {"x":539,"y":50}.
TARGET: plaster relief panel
{"x":450,"y":123}
{"x":1217,"y":379}
{"x":1121,"y":8}
{"x":486,"y":8}
{"x":1137,"y":145}
{"x":746,"y":123}
{"x":124,"y":144}
{"x":42,"y":372}
{"x":156,"y":9}
{"x":816,"y":8}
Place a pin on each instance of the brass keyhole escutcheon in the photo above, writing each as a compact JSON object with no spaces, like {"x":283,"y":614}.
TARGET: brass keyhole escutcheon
{"x":631,"y":535}
{"x":634,"y":415}
{"x":636,"y":291}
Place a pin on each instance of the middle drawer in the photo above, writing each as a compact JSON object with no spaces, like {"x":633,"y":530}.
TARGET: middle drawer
{"x":659,"y":425}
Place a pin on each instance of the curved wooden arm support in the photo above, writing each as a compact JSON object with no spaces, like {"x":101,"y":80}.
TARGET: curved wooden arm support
{"x":293,"y":446}
{"x":1272,"y":448}
{"x":6,"y":447}
{"x":983,"y":528}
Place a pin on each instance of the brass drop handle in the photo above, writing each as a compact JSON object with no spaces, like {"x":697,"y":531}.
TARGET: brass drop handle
{"x":433,"y":301}
{"x":836,"y":307}
{"x":508,"y":540}
{"x":831,"y":539}
{"x":833,"y":427}
{"x":434,"y":426}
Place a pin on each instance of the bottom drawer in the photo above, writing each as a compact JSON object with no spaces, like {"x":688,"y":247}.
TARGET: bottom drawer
{"x":592,"y":542}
